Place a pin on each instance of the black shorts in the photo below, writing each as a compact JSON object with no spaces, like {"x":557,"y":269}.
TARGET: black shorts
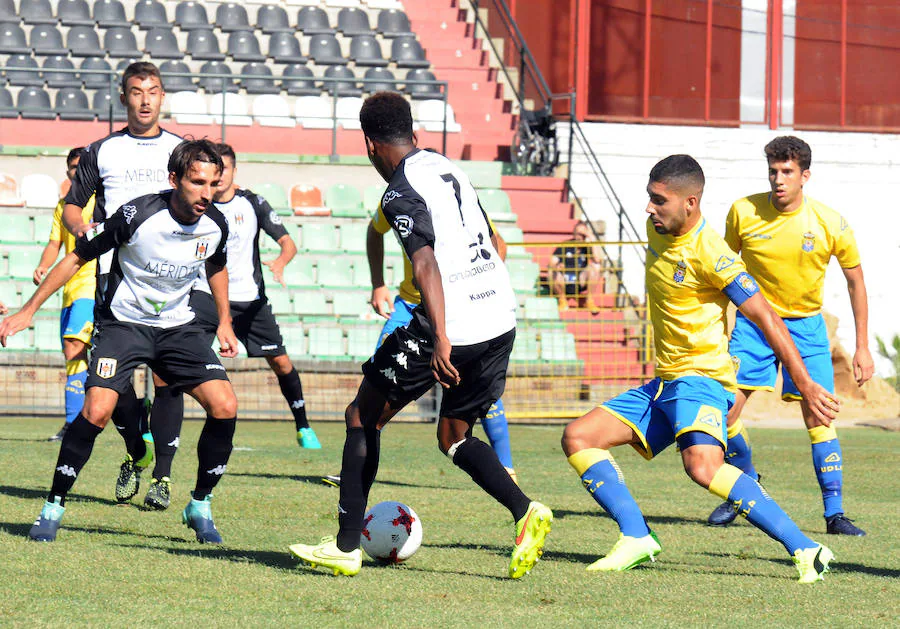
{"x":573,"y":283}
{"x":401,"y":370}
{"x":180,"y":355}
{"x":253,"y":322}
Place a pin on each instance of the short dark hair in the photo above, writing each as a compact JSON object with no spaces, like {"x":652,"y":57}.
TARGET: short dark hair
{"x":142,"y":70}
{"x":190,"y":151}
{"x":679,"y":171}
{"x":789,"y":147}
{"x":386,"y":117}
{"x":75,"y":152}
{"x":225,"y":150}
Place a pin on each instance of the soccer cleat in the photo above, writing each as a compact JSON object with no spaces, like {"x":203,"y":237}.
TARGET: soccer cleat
{"x":62,"y":433}
{"x":628,"y":553}
{"x":145,"y":461}
{"x":531,"y":531}
{"x":333,"y":479}
{"x":47,"y":524}
{"x":129,"y":480}
{"x":812,"y":563}
{"x":839,"y":524}
{"x":197,"y":515}
{"x":723,"y":515}
{"x":327,"y":554}
{"x":307,"y":438}
{"x":159,"y":493}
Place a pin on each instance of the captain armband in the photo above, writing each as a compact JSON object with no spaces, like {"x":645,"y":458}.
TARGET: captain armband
{"x":741,"y":288}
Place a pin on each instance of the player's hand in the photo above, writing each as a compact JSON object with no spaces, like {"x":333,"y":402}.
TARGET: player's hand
{"x":81,"y":230}
{"x":13,"y":324}
{"x":381,"y":301}
{"x":443,"y":371}
{"x":863,"y":366}
{"x":277,"y":269}
{"x":39,"y":274}
{"x":228,"y":343}
{"x":823,"y":404}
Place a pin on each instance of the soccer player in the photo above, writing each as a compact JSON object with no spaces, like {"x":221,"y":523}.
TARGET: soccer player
{"x":460,"y":335}
{"x":575,"y":270}
{"x":159,"y":242}
{"x":786,"y":240}
{"x":122,"y":166}
{"x":76,"y":322}
{"x":691,"y":274}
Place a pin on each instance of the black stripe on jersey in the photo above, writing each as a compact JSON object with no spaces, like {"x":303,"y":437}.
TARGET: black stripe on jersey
{"x":407,"y":212}
{"x":266,"y":220}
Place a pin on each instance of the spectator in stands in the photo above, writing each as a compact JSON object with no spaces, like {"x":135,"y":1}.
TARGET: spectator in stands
{"x":76,"y":323}
{"x":575,"y":269}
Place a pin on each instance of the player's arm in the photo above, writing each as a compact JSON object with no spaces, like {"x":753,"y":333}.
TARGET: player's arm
{"x":288,"y":251}
{"x":496,"y":238}
{"x":87,"y":178}
{"x":428,"y":279}
{"x":380,"y":299}
{"x":863,"y":365}
{"x":732,"y":230}
{"x":270,"y":222}
{"x":217,"y":277}
{"x":48,"y":257}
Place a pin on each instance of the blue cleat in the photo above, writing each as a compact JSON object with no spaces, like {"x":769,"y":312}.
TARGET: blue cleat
{"x":842,"y":525}
{"x":45,"y":527}
{"x":197,"y":515}
{"x":723,"y":515}
{"x":307,"y":439}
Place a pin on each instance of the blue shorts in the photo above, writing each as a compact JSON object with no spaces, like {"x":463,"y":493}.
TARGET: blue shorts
{"x":661,"y":411}
{"x":400,"y":318}
{"x":77,"y":321}
{"x":757,"y":366}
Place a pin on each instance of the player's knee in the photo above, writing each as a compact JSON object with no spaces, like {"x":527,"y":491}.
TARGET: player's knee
{"x":97,"y":412}
{"x":701,"y":471}
{"x":577,"y":437}
{"x":280,"y":364}
{"x":351,"y":415}
{"x":158,"y":382}
{"x":73,"y":349}
{"x":223,"y":406}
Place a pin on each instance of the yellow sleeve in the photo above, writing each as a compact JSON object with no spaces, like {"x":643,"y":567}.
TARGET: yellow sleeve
{"x":718,"y":263}
{"x":380,"y":222}
{"x":845,"y":249}
{"x":56,"y":228}
{"x":732,"y":230}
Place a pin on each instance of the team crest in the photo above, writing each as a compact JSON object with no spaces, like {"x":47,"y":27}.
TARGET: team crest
{"x":106,"y":367}
{"x":404,"y":225}
{"x":202,"y":249}
{"x":736,"y":361}
{"x":239,"y":218}
{"x":680,"y":270}
{"x":809,"y":241}
{"x":747,"y":282}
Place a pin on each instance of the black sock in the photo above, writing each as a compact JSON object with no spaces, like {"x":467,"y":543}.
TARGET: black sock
{"x":165,"y":424}
{"x":144,"y":423}
{"x":352,"y":505}
{"x":74,"y":452}
{"x":373,"y":454}
{"x":292,"y":391}
{"x":478,"y":460}
{"x":213,"y":450}
{"x":127,"y":418}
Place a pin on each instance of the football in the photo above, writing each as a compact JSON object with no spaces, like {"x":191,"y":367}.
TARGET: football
{"x":392,"y":532}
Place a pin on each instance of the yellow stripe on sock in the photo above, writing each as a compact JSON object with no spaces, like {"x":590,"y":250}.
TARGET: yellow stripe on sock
{"x":75,"y":366}
{"x":724,"y":480}
{"x":736,"y":428}
{"x":584,"y":459}
{"x":820,"y":434}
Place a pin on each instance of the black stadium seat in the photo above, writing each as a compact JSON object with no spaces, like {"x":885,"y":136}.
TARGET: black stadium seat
{"x":74,"y":13}
{"x":120,"y":43}
{"x":422,"y":92}
{"x":203,"y":45}
{"x":365,"y":51}
{"x":313,"y":21}
{"x":213,"y":85}
{"x":36,"y":12}
{"x":124,"y":63}
{"x":298,"y":80}
{"x":190,"y":15}
{"x":353,"y":21}
{"x":271,"y":18}
{"x":393,"y":23}
{"x":59,"y":78}
{"x":22,"y":77}
{"x":7,"y":108}
{"x":285,"y":48}
{"x":232,"y":17}
{"x":100,"y":106}
{"x":46,"y":40}
{"x":8,"y":13}
{"x":83,"y":41}
{"x":176,"y":83}
{"x":385,"y":80}
{"x":243,"y":46}
{"x":407,"y":52}
{"x":265,"y":84}
{"x":72,"y":104}
{"x":34,"y":102}
{"x":110,"y":14}
{"x":162,"y":44}
{"x":12,"y":40}
{"x":325,"y":50}
{"x":91,"y":80}
{"x":346,"y":87}
{"x":149,"y":14}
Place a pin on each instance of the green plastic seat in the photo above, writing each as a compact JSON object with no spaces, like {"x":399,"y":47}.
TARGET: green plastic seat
{"x":558,"y":346}
{"x":274,"y":194}
{"x":9,"y":295}
{"x":351,"y":304}
{"x":280,"y":300}
{"x":294,"y":339}
{"x":42,"y":224}
{"x":482,"y":174}
{"x":310,"y":303}
{"x":361,"y":341}
{"x":525,"y":348}
{"x":345,"y":201}
{"x":300,"y":272}
{"x":18,"y":228}
{"x":326,"y":343}
{"x":541,"y":309}
{"x":46,"y":335}
{"x":494,"y":201}
{"x":320,"y":237}
{"x":372,"y":197}
{"x":353,"y":237}
{"x":510,"y":233}
{"x":23,"y":262}
{"x":335,"y":272}
{"x":523,"y":274}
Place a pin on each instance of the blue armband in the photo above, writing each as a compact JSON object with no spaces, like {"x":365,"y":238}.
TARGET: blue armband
{"x":742,"y":288}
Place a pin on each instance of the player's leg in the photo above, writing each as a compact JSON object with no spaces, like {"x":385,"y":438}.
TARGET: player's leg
{"x":497,"y":430}
{"x":292,"y":390}
{"x":76,"y":355}
{"x":588,"y":279}
{"x":738,"y":453}
{"x":558,"y":288}
{"x":166,"y":417}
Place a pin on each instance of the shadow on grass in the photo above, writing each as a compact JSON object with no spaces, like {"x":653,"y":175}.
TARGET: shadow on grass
{"x":272,"y":559}
{"x":30,"y":440}
{"x":38,"y":494}
{"x":317,"y":480}
{"x":561,"y":514}
{"x":16,"y":529}
{"x":837,"y":566}
{"x":20,"y":529}
{"x":494,"y":550}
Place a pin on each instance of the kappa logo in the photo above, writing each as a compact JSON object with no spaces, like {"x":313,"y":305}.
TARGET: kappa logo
{"x":214,"y":366}
{"x":413,"y":346}
{"x":404,"y":225}
{"x":834,"y":457}
{"x":106,"y":367}
{"x":298,"y":404}
{"x":723,"y":263}
{"x":67,"y":470}
{"x":389,"y":196}
{"x":266,"y":348}
{"x":390,"y":374}
{"x":809,"y":241}
{"x":175,"y":442}
{"x":217,"y":470}
{"x":129,"y":211}
{"x":202,"y":249}
{"x":401,"y":359}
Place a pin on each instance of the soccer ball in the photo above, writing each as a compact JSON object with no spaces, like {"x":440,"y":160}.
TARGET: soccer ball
{"x":391,"y":533}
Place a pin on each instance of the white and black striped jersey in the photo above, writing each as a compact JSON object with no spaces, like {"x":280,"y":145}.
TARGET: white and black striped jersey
{"x":119,"y":168}
{"x":247,"y":214}
{"x":430,"y":202}
{"x":155,"y":260}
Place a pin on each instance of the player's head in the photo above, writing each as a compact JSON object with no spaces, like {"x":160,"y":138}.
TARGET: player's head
{"x":789,"y":159}
{"x":142,"y":95}
{"x":386,"y":121}
{"x":581,"y":231}
{"x":72,"y":160}
{"x":194,"y":170}
{"x":675,"y":189}
{"x":229,"y":165}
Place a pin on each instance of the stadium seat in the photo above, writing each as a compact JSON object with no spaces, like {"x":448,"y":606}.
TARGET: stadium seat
{"x":46,"y":335}
{"x":44,"y":220}
{"x":83,"y":41}
{"x":353,"y":237}
{"x":557,"y":345}
{"x":274,"y":194}
{"x":310,"y":303}
{"x":280,"y":300}
{"x":353,"y":304}
{"x":510,"y":233}
{"x":7,"y":107}
{"x":9,"y":193}
{"x":325,"y":50}
{"x":271,"y":18}
{"x":300,"y":272}
{"x":383,"y":81}
{"x":365,"y":51}
{"x":272,"y":110}
{"x":372,"y":197}
{"x":71,"y":104}
{"x":189,"y":108}
{"x":60,"y":78}
{"x":344,"y":200}
{"x":313,"y":112}
{"x":284,"y":47}
{"x":203,"y":45}
{"x":321,"y":237}
{"x":8,"y":12}
{"x":243,"y":46}
{"x":9,"y":295}
{"x":523,"y":274}
{"x":23,"y":261}
{"x":123,"y":64}
{"x":407,"y":52}
{"x":306,"y":200}
{"x":24,"y":76}
{"x":212,"y":84}
{"x":348,"y":112}
{"x":326,"y":343}
{"x":430,"y":114}
{"x":353,"y":21}
{"x":176,"y":83}
{"x":261,"y":82}
{"x":34,"y":102}
{"x":46,"y":40}
{"x":110,"y":14}
{"x":149,"y":14}
{"x":36,"y":12}
{"x":235,"y":109}
{"x":101,"y":104}
{"x":74,"y":13}
{"x":393,"y":23}
{"x":494,"y":201}
{"x":95,"y":80}
{"x":161,"y":43}
{"x":525,"y":347}
{"x":385,"y":4}
{"x":120,"y":43}
{"x":343,"y":81}
{"x":232,"y":17}
{"x":12,"y":40}
{"x":541,"y":309}
{"x":361,"y":340}
{"x":191,"y":15}
{"x":343,"y":3}
{"x":293,"y":338}
{"x":313,"y":21}
{"x":422,"y":91}
{"x":18,"y":229}
{"x":298,"y":80}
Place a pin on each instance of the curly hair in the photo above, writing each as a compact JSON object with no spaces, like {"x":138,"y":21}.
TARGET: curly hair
{"x":386,"y":117}
{"x":788,"y":147}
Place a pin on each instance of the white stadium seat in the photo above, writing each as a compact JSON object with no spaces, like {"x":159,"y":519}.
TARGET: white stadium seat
{"x":235,"y":109}
{"x":430,"y":114}
{"x":313,"y":112}
{"x":39,"y":190}
{"x":189,"y":108}
{"x":272,"y":110}
{"x":348,"y":112}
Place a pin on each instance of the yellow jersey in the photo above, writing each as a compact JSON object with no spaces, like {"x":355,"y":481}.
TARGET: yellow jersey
{"x":685,"y":277}
{"x":83,"y":284}
{"x":787,"y":252}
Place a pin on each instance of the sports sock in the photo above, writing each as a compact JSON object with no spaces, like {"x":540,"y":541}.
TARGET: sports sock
{"x":76,"y":372}
{"x":751,"y":501}
{"x":497,"y":431}
{"x":292,"y":390}
{"x":738,"y":452}
{"x":127,"y":418}
{"x":601,"y":476}
{"x":373,"y":454}
{"x":478,"y":460}
{"x":352,"y":503}
{"x":213,"y":450}
{"x":74,"y":452}
{"x":828,"y":461}
{"x":165,"y":425}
